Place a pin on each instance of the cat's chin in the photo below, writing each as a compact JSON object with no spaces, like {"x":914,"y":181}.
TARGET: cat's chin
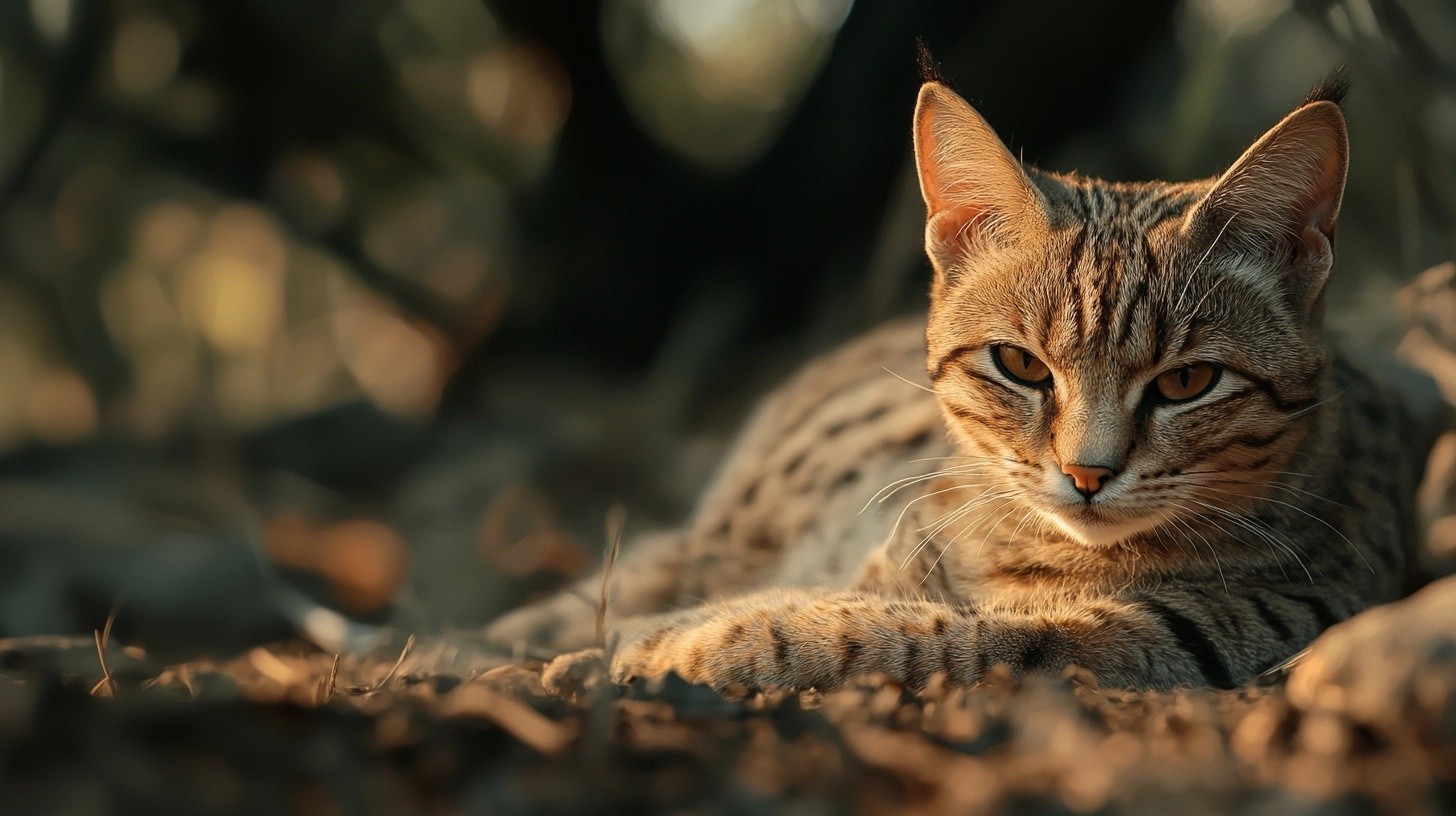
{"x":1099,"y":529}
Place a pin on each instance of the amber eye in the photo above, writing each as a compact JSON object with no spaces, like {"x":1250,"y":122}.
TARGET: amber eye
{"x":1188,"y":382}
{"x":1021,"y":366}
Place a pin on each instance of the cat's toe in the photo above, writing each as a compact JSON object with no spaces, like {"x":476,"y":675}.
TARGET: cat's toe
{"x":575,"y":673}
{"x":1386,"y":660}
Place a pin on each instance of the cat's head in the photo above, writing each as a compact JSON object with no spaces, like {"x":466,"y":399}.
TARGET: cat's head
{"x":1128,"y":354}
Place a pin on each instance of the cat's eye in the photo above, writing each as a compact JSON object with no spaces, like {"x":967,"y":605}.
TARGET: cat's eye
{"x":1021,"y":366}
{"x":1187,"y":382}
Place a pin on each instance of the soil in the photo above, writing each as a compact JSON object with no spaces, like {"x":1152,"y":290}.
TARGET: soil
{"x":289,"y":728}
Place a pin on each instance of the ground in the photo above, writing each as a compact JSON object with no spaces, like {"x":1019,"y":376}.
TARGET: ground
{"x":291,"y":728}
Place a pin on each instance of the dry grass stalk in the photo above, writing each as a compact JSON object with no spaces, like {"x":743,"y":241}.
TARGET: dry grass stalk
{"x":409,"y":644}
{"x":106,"y":686}
{"x":326,"y":689}
{"x":616,"y":523}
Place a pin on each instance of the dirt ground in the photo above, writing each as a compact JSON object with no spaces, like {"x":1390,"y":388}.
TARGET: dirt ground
{"x":291,"y":729}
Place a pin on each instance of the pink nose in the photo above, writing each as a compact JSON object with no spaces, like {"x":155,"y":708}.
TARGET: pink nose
{"x":1087,"y":478}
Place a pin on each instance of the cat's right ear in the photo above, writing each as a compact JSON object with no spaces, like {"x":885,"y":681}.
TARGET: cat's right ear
{"x":976,"y":194}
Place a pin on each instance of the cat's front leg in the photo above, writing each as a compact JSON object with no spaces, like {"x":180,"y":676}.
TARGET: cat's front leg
{"x":821,"y":638}
{"x":801,"y":638}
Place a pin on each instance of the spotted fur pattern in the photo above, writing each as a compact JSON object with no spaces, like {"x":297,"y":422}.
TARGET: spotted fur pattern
{"x":869,"y":524}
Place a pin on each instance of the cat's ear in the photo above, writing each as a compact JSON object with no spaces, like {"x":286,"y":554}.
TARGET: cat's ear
{"x":976,"y":193}
{"x":1277,"y":205}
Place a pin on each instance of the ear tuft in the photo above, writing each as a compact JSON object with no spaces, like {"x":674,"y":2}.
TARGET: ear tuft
{"x":1333,"y":88}
{"x":929,"y":68}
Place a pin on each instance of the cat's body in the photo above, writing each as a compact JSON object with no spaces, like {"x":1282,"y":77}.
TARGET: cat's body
{"x":1119,"y":442}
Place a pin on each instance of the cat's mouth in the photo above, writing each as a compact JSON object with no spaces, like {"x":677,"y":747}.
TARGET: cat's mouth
{"x":1097,"y":527}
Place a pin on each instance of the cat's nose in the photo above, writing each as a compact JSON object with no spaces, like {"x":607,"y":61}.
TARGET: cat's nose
{"x":1088,"y":478}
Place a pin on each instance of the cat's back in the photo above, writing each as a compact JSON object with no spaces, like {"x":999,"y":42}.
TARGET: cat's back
{"x":785,"y":507}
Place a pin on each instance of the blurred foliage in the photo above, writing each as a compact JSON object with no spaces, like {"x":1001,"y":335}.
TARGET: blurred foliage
{"x":404,"y":293}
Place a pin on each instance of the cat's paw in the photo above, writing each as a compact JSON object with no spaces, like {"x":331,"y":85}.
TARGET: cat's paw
{"x":1385,"y":660}
{"x":574,"y":673}
{"x":726,"y":648}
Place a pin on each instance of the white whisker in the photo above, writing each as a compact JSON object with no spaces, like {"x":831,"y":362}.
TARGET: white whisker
{"x":895,"y":528}
{"x":957,"y":536}
{"x":951,"y":518}
{"x":1211,"y":549}
{"x":908,"y":381}
{"x":1308,"y":514}
{"x":900,"y":484}
{"x":1265,"y":532}
{"x":1178,"y":305}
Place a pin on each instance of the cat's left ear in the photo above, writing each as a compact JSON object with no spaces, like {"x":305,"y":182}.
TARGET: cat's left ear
{"x":1277,"y":205}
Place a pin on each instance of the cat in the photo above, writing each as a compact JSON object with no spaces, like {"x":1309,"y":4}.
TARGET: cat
{"x":1130,"y":450}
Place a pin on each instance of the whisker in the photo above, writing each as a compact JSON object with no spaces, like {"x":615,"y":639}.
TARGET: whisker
{"x":1206,"y":295}
{"x":946,"y":458}
{"x":1231,"y":471}
{"x":1274,"y":547}
{"x":1297,"y":491}
{"x":1178,"y":306}
{"x":900,"y":484}
{"x":1158,"y":534}
{"x":1301,"y":412}
{"x":1026,"y":516}
{"x":951,"y":518}
{"x":1211,"y":549}
{"x":895,"y":528}
{"x":1265,"y":532}
{"x":1224,"y":531}
{"x":957,"y":536}
{"x":992,"y":529}
{"x":907,"y":381}
{"x":940,"y":519}
{"x":1308,"y":514}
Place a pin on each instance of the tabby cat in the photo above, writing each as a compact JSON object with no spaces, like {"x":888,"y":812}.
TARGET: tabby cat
{"x":1131,"y":449}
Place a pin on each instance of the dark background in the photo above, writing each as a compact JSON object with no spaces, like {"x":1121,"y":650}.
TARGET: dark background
{"x":386,"y":303}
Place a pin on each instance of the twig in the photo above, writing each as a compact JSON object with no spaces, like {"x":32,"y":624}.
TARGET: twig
{"x":409,"y":643}
{"x":106,"y":687}
{"x":110,"y":619}
{"x":616,"y":522}
{"x":598,"y":719}
{"x":326,"y":692}
{"x":103,"y":639}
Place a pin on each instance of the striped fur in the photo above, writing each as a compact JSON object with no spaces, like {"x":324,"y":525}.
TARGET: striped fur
{"x":864,"y":524}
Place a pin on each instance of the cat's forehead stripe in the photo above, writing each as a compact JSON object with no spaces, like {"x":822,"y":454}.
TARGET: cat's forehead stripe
{"x":1115,"y":277}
